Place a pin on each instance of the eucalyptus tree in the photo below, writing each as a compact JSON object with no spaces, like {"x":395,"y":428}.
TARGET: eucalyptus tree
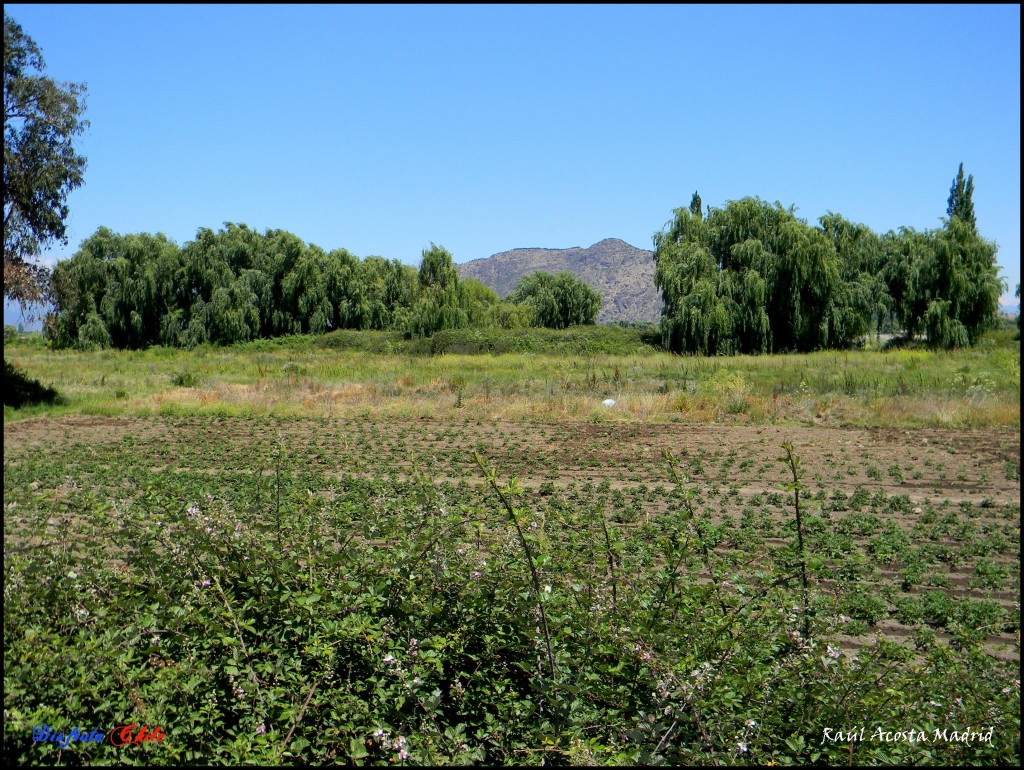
{"x":42,"y":119}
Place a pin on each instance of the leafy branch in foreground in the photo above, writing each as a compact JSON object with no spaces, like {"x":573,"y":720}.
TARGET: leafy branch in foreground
{"x":792,"y":461}
{"x":504,"y":494}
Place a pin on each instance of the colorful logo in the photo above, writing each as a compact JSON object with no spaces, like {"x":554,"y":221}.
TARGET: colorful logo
{"x":122,"y":735}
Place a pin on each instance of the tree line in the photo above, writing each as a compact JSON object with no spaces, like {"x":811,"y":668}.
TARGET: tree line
{"x":749,"y":277}
{"x":752,"y":277}
{"x":236,"y":284}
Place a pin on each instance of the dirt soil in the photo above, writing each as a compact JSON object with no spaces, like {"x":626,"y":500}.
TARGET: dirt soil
{"x":957,"y":465}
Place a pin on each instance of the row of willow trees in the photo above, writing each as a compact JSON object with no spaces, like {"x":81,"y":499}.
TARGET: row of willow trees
{"x":753,"y":278}
{"x":234,"y":285}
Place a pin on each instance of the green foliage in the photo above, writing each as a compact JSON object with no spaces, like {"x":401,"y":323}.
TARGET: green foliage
{"x":268,"y":616}
{"x":442,"y":303}
{"x":42,"y":119}
{"x":1016,"y":293}
{"x":114,"y":291}
{"x":496,"y":340}
{"x":695,"y":206}
{"x":235,"y":285}
{"x":20,"y":390}
{"x":961,"y":199}
{"x":185,"y":379}
{"x":752,"y":278}
{"x":961,"y":286}
{"x":944,"y":282}
{"x":558,"y":301}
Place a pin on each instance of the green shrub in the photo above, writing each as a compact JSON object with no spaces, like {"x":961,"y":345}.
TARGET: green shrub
{"x":21,"y":390}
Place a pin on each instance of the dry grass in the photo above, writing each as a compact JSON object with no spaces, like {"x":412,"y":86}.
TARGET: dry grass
{"x":976,"y":388}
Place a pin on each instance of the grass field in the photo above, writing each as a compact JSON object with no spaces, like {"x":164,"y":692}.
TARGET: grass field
{"x":341,"y":550}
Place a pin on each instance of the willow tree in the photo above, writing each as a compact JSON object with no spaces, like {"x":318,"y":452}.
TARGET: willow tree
{"x":317,"y":291}
{"x":752,"y":278}
{"x":959,"y":279}
{"x":944,"y":282}
{"x":437,"y":304}
{"x":696,"y":317}
{"x":388,"y":290}
{"x":212,"y":308}
{"x":558,"y":301}
{"x":115,"y":291}
{"x":866,"y":304}
{"x":961,"y":286}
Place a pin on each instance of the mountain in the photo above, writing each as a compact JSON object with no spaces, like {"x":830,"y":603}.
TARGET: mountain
{"x":622,"y":274}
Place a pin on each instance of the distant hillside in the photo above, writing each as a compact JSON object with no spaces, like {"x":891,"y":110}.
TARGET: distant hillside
{"x":622,"y":274}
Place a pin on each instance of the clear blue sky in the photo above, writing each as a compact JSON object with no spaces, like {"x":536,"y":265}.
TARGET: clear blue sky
{"x":486,"y":128}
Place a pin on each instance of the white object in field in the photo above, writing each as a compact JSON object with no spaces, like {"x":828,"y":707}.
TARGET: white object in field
{"x":608,"y":402}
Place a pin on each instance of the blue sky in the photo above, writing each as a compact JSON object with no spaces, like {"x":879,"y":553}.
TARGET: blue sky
{"x":381,"y":129}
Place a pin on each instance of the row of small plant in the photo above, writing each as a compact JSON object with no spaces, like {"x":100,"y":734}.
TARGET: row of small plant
{"x":390,"y":621}
{"x":862,"y":538}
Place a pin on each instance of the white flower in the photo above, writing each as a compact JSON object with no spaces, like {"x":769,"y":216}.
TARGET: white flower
{"x":833,"y":652}
{"x":389,"y":658}
{"x":742,"y":746}
{"x":403,"y":755}
{"x":73,"y":575}
{"x":751,"y":723}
